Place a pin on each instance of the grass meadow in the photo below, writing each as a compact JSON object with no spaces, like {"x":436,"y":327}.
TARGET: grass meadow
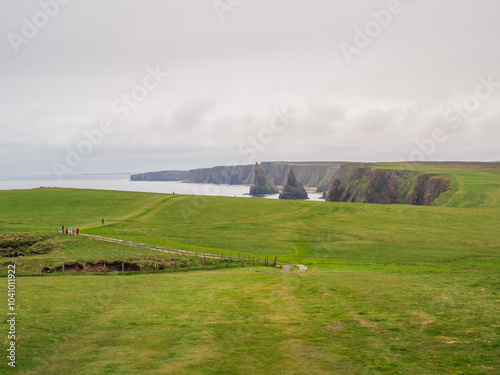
{"x":390,"y":289}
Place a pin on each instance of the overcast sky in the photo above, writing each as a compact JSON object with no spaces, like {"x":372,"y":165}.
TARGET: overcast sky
{"x":181,"y":84}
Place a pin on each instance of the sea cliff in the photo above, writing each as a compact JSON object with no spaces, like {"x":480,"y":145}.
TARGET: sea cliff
{"x":356,"y":182}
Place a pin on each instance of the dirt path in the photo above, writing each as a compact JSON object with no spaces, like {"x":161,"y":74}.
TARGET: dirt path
{"x":288,"y":267}
{"x":163,"y":249}
{"x":154,"y":210}
{"x":302,"y":268}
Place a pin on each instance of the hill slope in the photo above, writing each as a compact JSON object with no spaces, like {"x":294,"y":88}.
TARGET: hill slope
{"x":390,"y":288}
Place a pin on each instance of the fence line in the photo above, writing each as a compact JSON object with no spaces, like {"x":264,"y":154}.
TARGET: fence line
{"x":230,"y":258}
{"x":120,"y":266}
{"x":176,"y":251}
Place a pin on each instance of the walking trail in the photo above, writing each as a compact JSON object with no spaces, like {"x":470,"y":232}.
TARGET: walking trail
{"x":289,"y":267}
{"x":286,"y":267}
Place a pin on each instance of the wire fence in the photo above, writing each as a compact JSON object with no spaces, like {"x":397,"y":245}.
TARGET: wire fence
{"x":182,"y":261}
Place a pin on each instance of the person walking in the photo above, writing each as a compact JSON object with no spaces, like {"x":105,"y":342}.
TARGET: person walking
{"x":66,"y":231}
{"x":73,"y":230}
{"x":103,"y":221}
{"x":62,"y":229}
{"x":77,"y":230}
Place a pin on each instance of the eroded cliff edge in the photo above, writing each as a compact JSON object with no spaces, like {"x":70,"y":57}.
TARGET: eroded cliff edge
{"x":311,"y":174}
{"x":160,"y":176}
{"x":357,"y":182}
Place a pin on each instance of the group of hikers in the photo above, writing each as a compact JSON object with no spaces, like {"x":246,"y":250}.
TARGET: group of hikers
{"x":66,"y":230}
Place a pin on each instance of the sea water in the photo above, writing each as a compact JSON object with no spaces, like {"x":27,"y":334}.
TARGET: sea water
{"x":122,"y":182}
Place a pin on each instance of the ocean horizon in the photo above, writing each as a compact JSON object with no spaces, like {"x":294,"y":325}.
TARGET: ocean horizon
{"x":122,"y":182}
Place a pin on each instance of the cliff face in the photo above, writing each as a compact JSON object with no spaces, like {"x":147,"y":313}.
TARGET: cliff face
{"x":310,"y":174}
{"x":293,"y":189}
{"x":327,"y":180}
{"x":345,"y":182}
{"x":428,"y":188}
{"x":307,"y":173}
{"x":232,"y":175}
{"x":358,"y":183}
{"x":160,"y":176}
{"x":261,"y":184}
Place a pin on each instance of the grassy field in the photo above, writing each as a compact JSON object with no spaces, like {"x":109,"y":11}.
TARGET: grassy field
{"x":475,"y":184}
{"x":390,"y":289}
{"x":253,"y":321}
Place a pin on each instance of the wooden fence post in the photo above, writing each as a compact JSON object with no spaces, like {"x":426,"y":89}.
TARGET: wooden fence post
{"x":40,"y":269}
{"x":84,"y":270}
{"x":254,"y":261}
{"x":275,"y":260}
{"x":173,"y":267}
{"x":217,"y":263}
{"x":203,"y":263}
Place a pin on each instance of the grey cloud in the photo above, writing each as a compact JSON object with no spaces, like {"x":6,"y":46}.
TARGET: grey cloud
{"x":228,"y":77}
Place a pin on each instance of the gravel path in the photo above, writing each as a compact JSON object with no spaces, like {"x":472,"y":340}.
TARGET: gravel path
{"x":288,"y":267}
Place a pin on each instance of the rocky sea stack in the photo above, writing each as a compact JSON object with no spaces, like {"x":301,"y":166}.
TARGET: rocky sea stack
{"x":261,"y":184}
{"x":293,"y":188}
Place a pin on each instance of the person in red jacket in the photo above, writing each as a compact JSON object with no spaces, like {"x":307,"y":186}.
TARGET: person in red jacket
{"x":77,"y":230}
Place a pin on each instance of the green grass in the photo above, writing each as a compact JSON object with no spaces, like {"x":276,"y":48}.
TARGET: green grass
{"x":41,"y":209}
{"x":391,"y":289}
{"x":85,"y":250}
{"x":475,"y":184}
{"x":249,"y":321}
